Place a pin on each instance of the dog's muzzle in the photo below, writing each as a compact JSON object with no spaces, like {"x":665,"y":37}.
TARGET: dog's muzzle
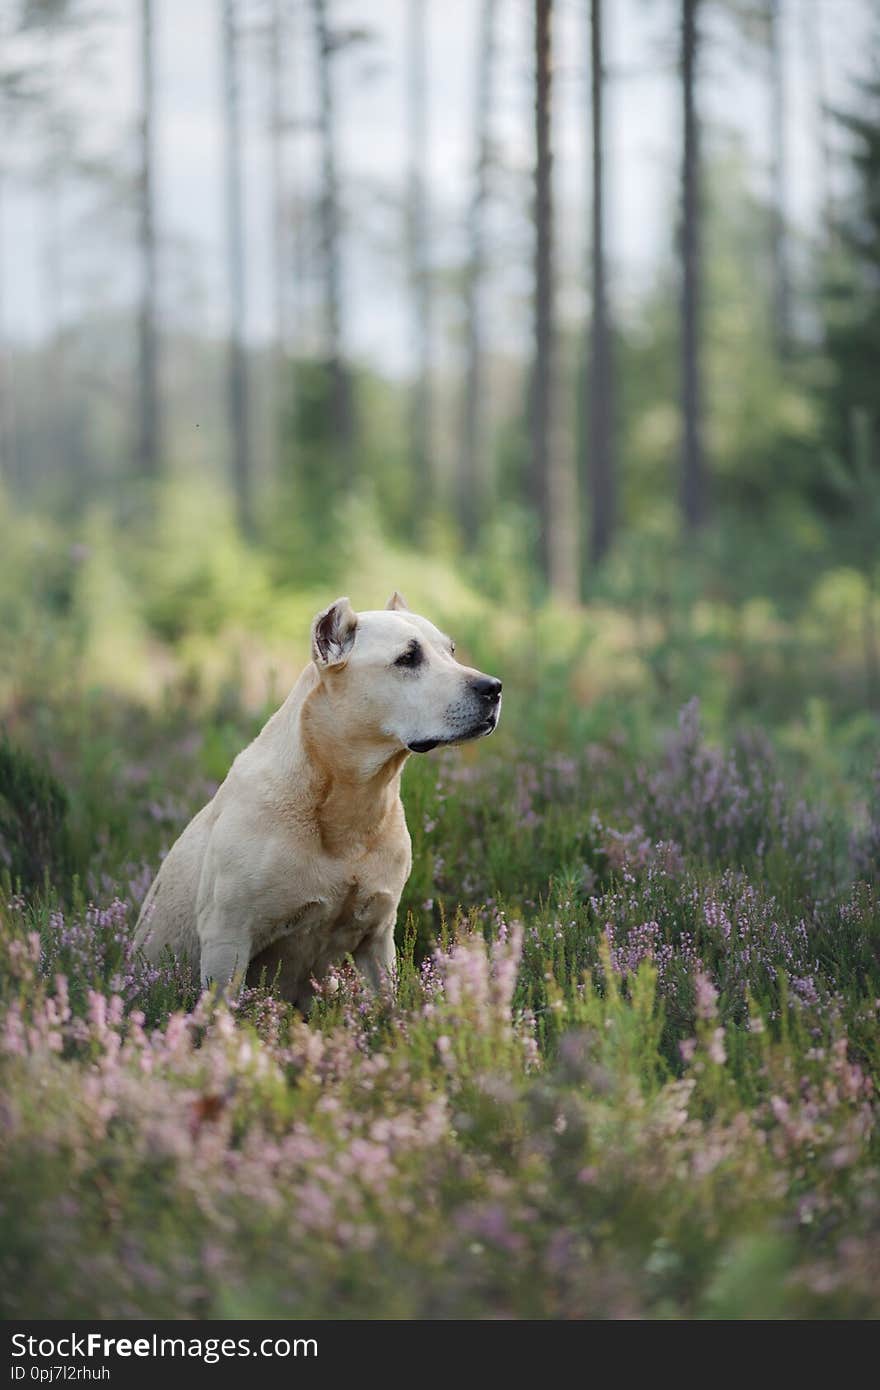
{"x":487,"y":689}
{"x":488,"y":692}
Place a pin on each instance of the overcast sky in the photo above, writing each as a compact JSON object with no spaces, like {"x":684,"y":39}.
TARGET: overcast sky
{"x":643,"y":146}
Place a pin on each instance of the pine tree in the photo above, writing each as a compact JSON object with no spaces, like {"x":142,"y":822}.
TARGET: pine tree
{"x":598,"y":465}
{"x":853,"y":291}
{"x":237,"y":378}
{"x":472,"y":481}
{"x":693,"y":475}
{"x":149,"y":434}
{"x":853,"y":343}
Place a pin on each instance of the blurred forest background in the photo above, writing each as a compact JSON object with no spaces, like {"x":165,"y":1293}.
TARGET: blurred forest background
{"x":562,"y":316}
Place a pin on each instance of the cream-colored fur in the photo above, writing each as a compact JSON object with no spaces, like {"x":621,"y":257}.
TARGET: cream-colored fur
{"x":303,"y":853}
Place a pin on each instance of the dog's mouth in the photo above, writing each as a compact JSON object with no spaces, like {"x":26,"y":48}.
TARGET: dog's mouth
{"x":479,"y":730}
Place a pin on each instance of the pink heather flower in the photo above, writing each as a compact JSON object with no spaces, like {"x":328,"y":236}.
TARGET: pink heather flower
{"x":505,"y":953}
{"x":780,"y":1109}
{"x":13,"y":1031}
{"x":687,"y":1047}
{"x":717,"y":1051}
{"x":466,"y":974}
{"x":707,"y":997}
{"x":525,"y":1031}
{"x":97,"y":1011}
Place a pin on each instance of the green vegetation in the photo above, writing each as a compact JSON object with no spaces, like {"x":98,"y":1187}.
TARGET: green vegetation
{"x":630,"y":1066}
{"x":630,"y":1063}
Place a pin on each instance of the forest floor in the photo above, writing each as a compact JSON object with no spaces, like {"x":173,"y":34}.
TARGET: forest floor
{"x":629,"y":1068}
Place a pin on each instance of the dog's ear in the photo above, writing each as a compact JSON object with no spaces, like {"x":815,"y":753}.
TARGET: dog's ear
{"x":333,"y":633}
{"x":397,"y":603}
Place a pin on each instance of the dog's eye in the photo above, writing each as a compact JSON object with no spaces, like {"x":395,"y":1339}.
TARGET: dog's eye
{"x":452,"y":649}
{"x":411,"y":658}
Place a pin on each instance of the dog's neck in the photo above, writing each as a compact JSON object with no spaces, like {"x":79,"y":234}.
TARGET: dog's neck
{"x":351,"y":786}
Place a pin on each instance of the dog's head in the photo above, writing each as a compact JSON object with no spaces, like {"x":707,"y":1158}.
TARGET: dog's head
{"x":393,"y":675}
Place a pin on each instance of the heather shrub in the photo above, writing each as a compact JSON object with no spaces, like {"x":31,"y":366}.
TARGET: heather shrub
{"x":627,"y":1067}
{"x":34,"y":839}
{"x":427,"y":1156}
{"x":730,"y":806}
{"x":866,"y":841}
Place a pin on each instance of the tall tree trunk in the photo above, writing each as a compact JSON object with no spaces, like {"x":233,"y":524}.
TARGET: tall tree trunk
{"x":341,"y":399}
{"x":417,"y":247}
{"x":472,"y":473}
{"x":58,"y":449}
{"x":813,"y":39}
{"x":57,"y":444}
{"x":9,"y":470}
{"x":551,"y":493}
{"x":693,"y":481}
{"x":599,"y":480}
{"x":281,"y":268}
{"x":299,"y":267}
{"x":148,"y":446}
{"x":543,"y":368}
{"x":781,"y":284}
{"x":237,"y":385}
{"x":278,"y":77}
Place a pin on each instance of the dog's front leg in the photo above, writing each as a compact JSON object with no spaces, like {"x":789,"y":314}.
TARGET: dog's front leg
{"x":376,"y":958}
{"x":225,"y":952}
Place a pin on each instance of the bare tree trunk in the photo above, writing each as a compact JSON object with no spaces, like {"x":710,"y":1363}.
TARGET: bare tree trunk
{"x":342,"y":404}
{"x":693,"y":482}
{"x":550,"y":484}
{"x":864,"y":453}
{"x":811,"y":14}
{"x":281,"y":367}
{"x":781,"y":284}
{"x":148,"y":446}
{"x":237,"y":384}
{"x":544,"y":363}
{"x":9,"y":463}
{"x":599,"y":481}
{"x":299,"y":267}
{"x":277,"y":78}
{"x":417,"y":247}
{"x":472,"y":473}
{"x":58,"y":450}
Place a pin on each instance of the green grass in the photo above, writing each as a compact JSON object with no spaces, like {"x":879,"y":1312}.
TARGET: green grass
{"x":629,"y":1066}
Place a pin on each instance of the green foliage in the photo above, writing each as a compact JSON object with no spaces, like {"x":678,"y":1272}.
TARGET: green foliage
{"x":34,"y":839}
{"x":852,"y":300}
{"x":629,"y":1065}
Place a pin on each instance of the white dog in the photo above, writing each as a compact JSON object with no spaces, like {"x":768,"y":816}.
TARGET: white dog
{"x":302,"y":855}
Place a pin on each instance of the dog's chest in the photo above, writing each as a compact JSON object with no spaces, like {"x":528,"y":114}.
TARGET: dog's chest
{"x":336,"y":922}
{"x":346,"y":916}
{"x":319,"y":934}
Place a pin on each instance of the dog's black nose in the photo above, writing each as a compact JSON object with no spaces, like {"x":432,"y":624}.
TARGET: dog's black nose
{"x":487,"y":687}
